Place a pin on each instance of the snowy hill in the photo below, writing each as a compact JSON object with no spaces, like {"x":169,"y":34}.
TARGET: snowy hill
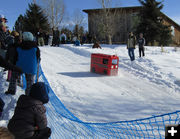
{"x":145,"y":87}
{"x":148,"y":86}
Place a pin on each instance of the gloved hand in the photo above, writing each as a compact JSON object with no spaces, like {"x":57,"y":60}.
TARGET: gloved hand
{"x":42,"y":134}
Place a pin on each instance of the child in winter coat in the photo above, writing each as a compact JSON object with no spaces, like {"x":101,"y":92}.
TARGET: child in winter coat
{"x":29,"y":120}
{"x":27,"y":58}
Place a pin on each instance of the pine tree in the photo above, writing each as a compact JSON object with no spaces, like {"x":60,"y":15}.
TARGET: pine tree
{"x":19,"y":24}
{"x":35,"y":19}
{"x":165,"y":36}
{"x":151,"y":23}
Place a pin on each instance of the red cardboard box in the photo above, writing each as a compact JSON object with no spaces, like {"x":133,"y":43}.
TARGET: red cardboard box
{"x":104,"y":64}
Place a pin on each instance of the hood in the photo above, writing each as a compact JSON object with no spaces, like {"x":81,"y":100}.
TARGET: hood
{"x":27,"y":101}
{"x":28,"y":45}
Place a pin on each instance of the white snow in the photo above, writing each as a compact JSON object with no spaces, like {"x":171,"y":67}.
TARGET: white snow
{"x":145,"y":87}
{"x":148,"y":86}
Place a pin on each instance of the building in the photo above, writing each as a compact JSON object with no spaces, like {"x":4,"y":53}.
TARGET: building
{"x":122,"y":21}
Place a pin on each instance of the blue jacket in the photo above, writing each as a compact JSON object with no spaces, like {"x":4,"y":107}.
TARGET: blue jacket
{"x":27,"y":59}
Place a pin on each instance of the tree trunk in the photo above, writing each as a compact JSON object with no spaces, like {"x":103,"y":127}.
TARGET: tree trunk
{"x":109,"y":39}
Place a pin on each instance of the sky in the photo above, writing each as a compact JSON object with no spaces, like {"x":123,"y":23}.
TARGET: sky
{"x":13,"y":8}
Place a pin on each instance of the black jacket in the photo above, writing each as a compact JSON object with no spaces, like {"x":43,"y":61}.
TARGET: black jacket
{"x":29,"y":114}
{"x":12,"y":53}
{"x":5,"y":64}
{"x":141,"y":42}
{"x":3,"y":42}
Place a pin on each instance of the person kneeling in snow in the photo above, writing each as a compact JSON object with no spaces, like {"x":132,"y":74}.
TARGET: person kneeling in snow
{"x":29,"y":120}
{"x":96,"y":45}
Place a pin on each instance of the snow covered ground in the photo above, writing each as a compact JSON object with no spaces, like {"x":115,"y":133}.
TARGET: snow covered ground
{"x":145,"y":87}
{"x":148,"y":86}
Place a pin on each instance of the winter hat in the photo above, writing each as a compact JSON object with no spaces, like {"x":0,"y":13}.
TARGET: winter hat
{"x":28,"y":36}
{"x":40,"y":92}
{"x":2,"y":16}
{"x":15,"y":33}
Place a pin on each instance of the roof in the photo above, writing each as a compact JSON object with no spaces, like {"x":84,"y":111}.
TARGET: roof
{"x":117,"y":8}
{"x":134,"y":8}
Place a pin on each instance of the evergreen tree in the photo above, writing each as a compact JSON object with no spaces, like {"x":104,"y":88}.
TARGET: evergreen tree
{"x":76,"y":31}
{"x":35,"y":19}
{"x":151,"y":24}
{"x":19,"y":24}
{"x":165,"y":36}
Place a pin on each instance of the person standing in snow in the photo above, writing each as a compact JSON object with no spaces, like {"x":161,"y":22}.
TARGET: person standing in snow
{"x":141,"y":43}
{"x":29,"y":120}
{"x":27,"y":58}
{"x":5,"y":64}
{"x":131,"y":45}
{"x":63,"y":38}
{"x":40,"y":37}
{"x":3,"y":39}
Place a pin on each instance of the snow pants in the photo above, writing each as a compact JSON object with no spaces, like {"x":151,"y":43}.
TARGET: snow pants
{"x":13,"y":82}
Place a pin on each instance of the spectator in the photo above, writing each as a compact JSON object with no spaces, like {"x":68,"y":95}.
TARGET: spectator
{"x":131,"y":45}
{"x":141,"y":43}
{"x":3,"y":37}
{"x":3,"y":19}
{"x":40,"y":38}
{"x":5,"y":64}
{"x":96,"y":45}
{"x":27,"y":58}
{"x":63,"y":38}
{"x":29,"y":120}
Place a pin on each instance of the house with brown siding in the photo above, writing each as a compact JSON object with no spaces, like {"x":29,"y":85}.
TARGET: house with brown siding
{"x":123,"y":22}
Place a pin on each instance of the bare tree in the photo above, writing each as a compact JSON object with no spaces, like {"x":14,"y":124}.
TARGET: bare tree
{"x":55,"y":10}
{"x":78,"y":17}
{"x":107,"y":16}
{"x":78,"y":20}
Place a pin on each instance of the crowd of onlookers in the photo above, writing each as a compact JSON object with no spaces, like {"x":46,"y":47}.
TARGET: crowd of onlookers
{"x":21,"y":55}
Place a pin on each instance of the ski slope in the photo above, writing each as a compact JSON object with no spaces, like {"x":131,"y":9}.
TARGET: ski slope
{"x":148,"y":86}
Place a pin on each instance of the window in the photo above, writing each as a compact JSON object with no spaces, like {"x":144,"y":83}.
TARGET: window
{"x":114,"y":61}
{"x":105,"y":61}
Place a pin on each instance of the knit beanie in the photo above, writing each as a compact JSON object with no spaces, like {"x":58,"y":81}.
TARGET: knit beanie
{"x":40,"y":92}
{"x":28,"y":36}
